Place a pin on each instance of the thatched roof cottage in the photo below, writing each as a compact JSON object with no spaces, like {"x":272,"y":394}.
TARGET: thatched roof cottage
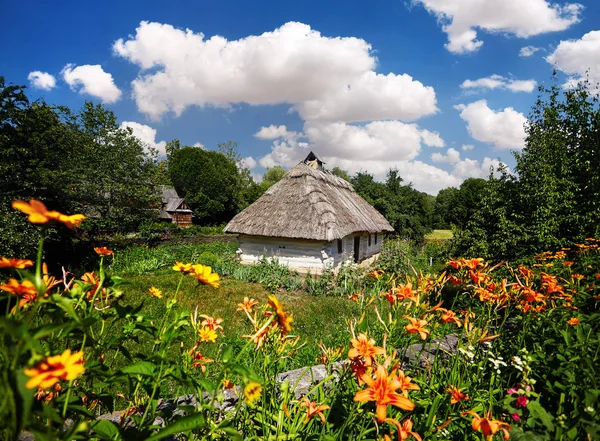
{"x":309,"y":220}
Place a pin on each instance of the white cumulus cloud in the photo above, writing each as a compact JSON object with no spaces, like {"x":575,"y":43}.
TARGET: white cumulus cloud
{"x":528,"y":51}
{"x":578,"y":57}
{"x":42,"y":80}
{"x":504,"y":128}
{"x":91,"y":80}
{"x":249,"y":162}
{"x":274,"y":132}
{"x":324,"y":78}
{"x":521,"y":18}
{"x":499,"y":82}
{"x":467,"y":147}
{"x":452,"y":156}
{"x":147,"y":135}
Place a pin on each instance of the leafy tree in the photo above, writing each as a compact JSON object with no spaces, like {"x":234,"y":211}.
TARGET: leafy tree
{"x":336,"y":171}
{"x":555,"y":200}
{"x":455,"y":206}
{"x":271,"y":177}
{"x":208,"y":180}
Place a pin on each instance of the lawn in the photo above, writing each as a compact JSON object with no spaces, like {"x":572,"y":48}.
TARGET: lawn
{"x":315,"y":318}
{"x":439,"y":235}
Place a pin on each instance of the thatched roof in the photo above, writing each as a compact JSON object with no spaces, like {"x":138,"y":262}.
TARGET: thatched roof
{"x":308,"y":203}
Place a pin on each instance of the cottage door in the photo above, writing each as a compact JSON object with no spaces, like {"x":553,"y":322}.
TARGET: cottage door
{"x":356,"y":248}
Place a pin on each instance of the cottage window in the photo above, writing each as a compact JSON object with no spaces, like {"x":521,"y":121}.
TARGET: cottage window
{"x":375,"y":238}
{"x":339,"y":246}
{"x":369,"y":240}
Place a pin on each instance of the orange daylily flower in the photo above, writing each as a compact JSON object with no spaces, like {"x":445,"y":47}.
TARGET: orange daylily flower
{"x":573,"y":321}
{"x":450,"y":316}
{"x":312,"y":409}
{"x":211,"y":322}
{"x":247,"y":305}
{"x":364,"y":347}
{"x":404,"y":429}
{"x":456,"y":264}
{"x":227,"y":383}
{"x":259,"y":337}
{"x":15,"y":263}
{"x":405,"y":292}
{"x":487,"y":426}
{"x":376,"y":274}
{"x":284,"y":319}
{"x":454,"y":280}
{"x":391,"y":297}
{"x":356,"y":296}
{"x":417,"y":326}
{"x":406,"y":383}
{"x":199,"y":360}
{"x":103,"y":251}
{"x":382,"y":390}
{"x":51,"y":370}
{"x":456,"y":395}
{"x":205,"y":275}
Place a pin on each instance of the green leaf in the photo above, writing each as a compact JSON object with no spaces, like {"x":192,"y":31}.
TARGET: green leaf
{"x":142,"y":368}
{"x":66,"y":305}
{"x":105,"y":429}
{"x":185,"y":424}
{"x":537,"y":411}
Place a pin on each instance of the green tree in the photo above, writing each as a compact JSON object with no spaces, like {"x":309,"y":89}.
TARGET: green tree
{"x":271,"y":177}
{"x":208,"y":180}
{"x":340,"y":173}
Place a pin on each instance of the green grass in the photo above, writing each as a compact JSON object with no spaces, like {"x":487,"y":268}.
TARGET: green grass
{"x":439,"y":235}
{"x":315,"y":318}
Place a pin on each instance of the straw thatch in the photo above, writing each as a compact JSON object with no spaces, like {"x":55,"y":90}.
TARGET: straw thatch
{"x":308,"y":203}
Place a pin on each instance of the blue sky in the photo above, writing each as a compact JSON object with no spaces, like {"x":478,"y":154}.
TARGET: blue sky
{"x":439,"y":89}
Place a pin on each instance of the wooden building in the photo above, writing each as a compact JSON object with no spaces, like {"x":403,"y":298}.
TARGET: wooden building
{"x":174,"y":209}
{"x":309,"y":220}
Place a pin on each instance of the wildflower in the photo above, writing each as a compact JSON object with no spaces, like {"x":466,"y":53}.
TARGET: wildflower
{"x":48,"y":395}
{"x":211,"y":322}
{"x":312,"y":409}
{"x":568,"y":263}
{"x":454,"y":280}
{"x":39,"y":214}
{"x":578,"y":276}
{"x":456,"y":264}
{"x":404,"y":429}
{"x":25,"y":289}
{"x":15,"y":263}
{"x":259,"y":337}
{"x":207,"y":334}
{"x":406,"y":292}
{"x":450,"y":316}
{"x":103,"y":251}
{"x":364,"y":347}
{"x":50,"y":371}
{"x":487,"y":426}
{"x":456,"y":395}
{"x":515,"y":416}
{"x":573,"y":321}
{"x":382,"y":390}
{"x":247,"y":305}
{"x":205,"y":275}
{"x":329,"y":354}
{"x":417,"y":326}
{"x":227,"y":383}
{"x":156,"y":292}
{"x":391,"y":297}
{"x":183,"y":267}
{"x":376,"y":274}
{"x":283,"y":318}
{"x":406,"y":383}
{"x":522,"y":401}
{"x":356,"y":297}
{"x":199,"y":360}
{"x":252,"y":392}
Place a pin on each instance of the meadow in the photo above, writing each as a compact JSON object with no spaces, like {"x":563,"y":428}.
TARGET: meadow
{"x":145,"y":326}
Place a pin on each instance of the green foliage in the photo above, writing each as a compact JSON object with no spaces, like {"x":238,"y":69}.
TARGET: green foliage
{"x":74,"y":162}
{"x":456,"y":206}
{"x":409,"y":211}
{"x":209,"y":182}
{"x":553,"y":198}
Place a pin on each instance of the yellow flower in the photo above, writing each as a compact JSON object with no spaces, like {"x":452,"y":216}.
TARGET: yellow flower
{"x":39,"y":214}
{"x":15,"y":263}
{"x":156,"y":292}
{"x":183,"y":267}
{"x":26,"y":290}
{"x":205,"y":275}
{"x":252,"y":392}
{"x":50,"y":371}
{"x":207,"y":334}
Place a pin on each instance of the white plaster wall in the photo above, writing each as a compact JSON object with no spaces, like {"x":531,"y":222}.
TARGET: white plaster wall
{"x":301,"y":255}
